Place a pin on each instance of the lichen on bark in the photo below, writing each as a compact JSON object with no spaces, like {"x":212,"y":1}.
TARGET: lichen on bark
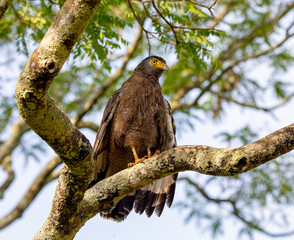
{"x":42,"y":114}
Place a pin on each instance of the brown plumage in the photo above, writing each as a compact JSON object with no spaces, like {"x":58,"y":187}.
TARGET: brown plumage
{"x":136,"y":122}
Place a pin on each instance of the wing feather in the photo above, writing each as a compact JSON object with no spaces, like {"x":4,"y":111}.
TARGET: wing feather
{"x":101,"y":141}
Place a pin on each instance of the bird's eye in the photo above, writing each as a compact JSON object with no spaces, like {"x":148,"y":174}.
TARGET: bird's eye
{"x":154,"y":61}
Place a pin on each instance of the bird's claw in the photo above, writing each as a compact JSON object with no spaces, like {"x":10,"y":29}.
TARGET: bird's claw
{"x":134,"y":163}
{"x":140,"y":160}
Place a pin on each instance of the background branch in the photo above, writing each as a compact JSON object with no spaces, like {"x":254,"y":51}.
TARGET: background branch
{"x":236,"y":211}
{"x":18,"y":130}
{"x":6,"y":165}
{"x":39,"y":183}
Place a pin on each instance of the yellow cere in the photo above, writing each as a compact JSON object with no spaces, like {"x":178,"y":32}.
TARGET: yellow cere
{"x":157,"y":63}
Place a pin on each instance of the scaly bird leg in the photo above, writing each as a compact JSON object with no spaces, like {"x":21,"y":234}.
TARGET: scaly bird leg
{"x":149,"y":152}
{"x":139,"y":160}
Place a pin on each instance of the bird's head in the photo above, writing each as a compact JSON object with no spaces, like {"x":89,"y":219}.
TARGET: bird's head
{"x":153,"y":65}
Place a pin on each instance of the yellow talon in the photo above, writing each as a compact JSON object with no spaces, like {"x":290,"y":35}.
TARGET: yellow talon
{"x":139,"y":160}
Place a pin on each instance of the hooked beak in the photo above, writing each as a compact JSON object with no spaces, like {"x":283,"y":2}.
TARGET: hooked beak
{"x":165,"y":68}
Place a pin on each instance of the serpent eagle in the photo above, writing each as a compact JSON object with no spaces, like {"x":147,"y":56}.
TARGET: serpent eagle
{"x":137,"y":122}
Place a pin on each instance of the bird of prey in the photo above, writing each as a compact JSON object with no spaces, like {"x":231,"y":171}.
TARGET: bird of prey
{"x":137,"y":122}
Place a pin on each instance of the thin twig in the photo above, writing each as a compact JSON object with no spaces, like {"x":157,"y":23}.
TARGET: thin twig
{"x":167,"y":22}
{"x":142,"y":25}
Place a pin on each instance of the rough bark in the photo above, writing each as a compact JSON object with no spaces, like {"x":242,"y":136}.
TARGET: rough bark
{"x":41,"y":113}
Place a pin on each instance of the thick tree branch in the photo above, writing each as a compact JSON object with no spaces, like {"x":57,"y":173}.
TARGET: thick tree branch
{"x":203,"y":159}
{"x":35,"y":106}
{"x":41,"y":113}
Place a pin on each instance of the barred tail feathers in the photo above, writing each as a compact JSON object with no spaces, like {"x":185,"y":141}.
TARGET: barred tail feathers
{"x":150,"y":198}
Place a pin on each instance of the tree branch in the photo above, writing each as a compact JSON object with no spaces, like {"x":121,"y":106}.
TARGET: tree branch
{"x":87,"y":124}
{"x":203,"y":159}
{"x":253,"y":105}
{"x":41,"y":113}
{"x":40,"y":181}
{"x":167,"y":22}
{"x":6,"y":164}
{"x":18,"y":129}
{"x":236,"y":210}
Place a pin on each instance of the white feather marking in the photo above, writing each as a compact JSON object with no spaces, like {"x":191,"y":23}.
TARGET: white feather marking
{"x":170,"y":141}
{"x":166,"y":182}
